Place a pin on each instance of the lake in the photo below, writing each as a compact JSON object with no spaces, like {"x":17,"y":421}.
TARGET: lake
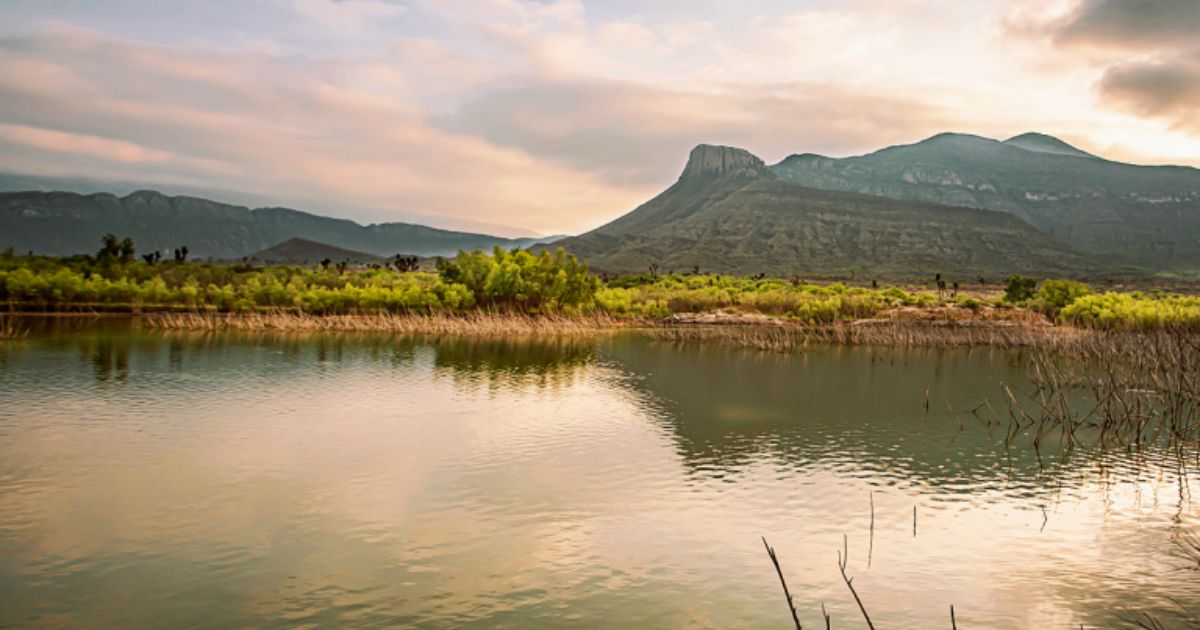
{"x":166,"y":479}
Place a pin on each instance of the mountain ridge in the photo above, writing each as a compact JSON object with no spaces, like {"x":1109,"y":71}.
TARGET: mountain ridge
{"x":63,"y":223}
{"x":304,"y":251}
{"x":742,"y":218}
{"x":1145,"y":216}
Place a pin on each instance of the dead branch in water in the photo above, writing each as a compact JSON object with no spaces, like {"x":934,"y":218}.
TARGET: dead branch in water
{"x":786,"y":593}
{"x":843,"y":559}
{"x":1126,"y":389}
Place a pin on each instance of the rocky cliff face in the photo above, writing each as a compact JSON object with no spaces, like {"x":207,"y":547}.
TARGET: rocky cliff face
{"x":708,"y":160}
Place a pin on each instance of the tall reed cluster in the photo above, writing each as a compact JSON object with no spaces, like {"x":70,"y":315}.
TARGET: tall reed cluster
{"x":466,"y":324}
{"x":900,"y":333}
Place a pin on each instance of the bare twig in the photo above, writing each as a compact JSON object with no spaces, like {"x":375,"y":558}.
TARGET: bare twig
{"x":843,"y":559}
{"x":783,"y":582}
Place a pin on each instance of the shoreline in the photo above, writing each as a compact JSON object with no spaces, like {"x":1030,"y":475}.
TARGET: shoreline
{"x":908,"y":329}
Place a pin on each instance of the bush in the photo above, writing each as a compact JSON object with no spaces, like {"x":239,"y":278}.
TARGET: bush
{"x":1056,"y":294}
{"x":1133,"y":311}
{"x":967,"y":301}
{"x":1019,"y":289}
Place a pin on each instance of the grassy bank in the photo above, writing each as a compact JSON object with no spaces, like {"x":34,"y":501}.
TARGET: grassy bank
{"x":478,"y":291}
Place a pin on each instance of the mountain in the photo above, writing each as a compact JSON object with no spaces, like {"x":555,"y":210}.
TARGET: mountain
{"x":731,"y":213}
{"x":300,"y":251}
{"x":58,"y":223}
{"x":1147,"y":216}
{"x":1042,"y":143}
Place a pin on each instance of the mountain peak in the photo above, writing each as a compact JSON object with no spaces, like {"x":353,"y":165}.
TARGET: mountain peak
{"x":707,"y":160}
{"x":144,"y":196}
{"x":956,"y":139}
{"x":1042,"y":143}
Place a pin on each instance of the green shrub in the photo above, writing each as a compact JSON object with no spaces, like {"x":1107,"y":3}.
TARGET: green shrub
{"x":968,"y":301}
{"x":1133,"y":311}
{"x":1019,"y":289}
{"x":1056,"y":294}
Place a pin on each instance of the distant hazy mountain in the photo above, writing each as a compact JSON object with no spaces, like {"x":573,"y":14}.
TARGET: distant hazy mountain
{"x":1148,"y":216}
{"x":730,"y":213}
{"x":57,"y":223}
{"x":300,"y":251}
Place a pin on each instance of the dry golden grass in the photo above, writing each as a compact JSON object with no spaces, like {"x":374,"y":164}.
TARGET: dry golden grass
{"x":770,"y":334}
{"x":473,"y":324}
{"x":907,"y":333}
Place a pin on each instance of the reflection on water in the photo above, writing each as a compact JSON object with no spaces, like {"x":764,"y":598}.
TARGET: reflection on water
{"x":180,"y":479}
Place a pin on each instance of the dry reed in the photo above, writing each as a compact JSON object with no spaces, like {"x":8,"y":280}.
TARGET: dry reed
{"x":793,"y":337}
{"x":472,"y":324}
{"x":1125,"y":390}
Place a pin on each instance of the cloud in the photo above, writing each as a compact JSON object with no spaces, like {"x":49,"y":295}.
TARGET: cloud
{"x":1169,"y":88}
{"x":59,"y":141}
{"x":346,"y":15}
{"x":1146,"y":52}
{"x":1117,"y":24}
{"x":639,"y":135}
{"x":1132,"y":23}
{"x":552,"y":115}
{"x":264,"y":125}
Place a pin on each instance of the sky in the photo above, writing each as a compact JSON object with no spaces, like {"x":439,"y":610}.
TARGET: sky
{"x":538,"y":117}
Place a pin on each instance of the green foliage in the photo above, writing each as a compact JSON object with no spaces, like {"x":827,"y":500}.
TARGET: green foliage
{"x":110,"y":248}
{"x":969,"y":301}
{"x":524,"y":282}
{"x":1133,"y":311}
{"x":520,"y":280}
{"x":505,"y":280}
{"x":1019,"y":288}
{"x":648,"y":296}
{"x":1056,"y":294}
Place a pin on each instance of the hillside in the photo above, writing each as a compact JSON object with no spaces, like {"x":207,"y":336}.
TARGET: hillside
{"x":1148,"y":216}
{"x":300,"y":251}
{"x":730,"y":213}
{"x":57,"y":223}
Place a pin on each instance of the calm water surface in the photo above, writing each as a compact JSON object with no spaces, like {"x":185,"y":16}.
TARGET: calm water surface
{"x":155,"y":479}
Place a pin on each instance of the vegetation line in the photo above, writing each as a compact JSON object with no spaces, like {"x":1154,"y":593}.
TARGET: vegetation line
{"x":558,"y":285}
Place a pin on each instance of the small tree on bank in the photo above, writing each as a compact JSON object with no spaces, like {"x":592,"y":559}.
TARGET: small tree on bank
{"x":1019,"y":288}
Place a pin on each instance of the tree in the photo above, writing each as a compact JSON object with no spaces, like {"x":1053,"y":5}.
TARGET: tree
{"x":406,"y":263}
{"x":127,"y":250}
{"x":1019,"y":288}
{"x":110,"y":247}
